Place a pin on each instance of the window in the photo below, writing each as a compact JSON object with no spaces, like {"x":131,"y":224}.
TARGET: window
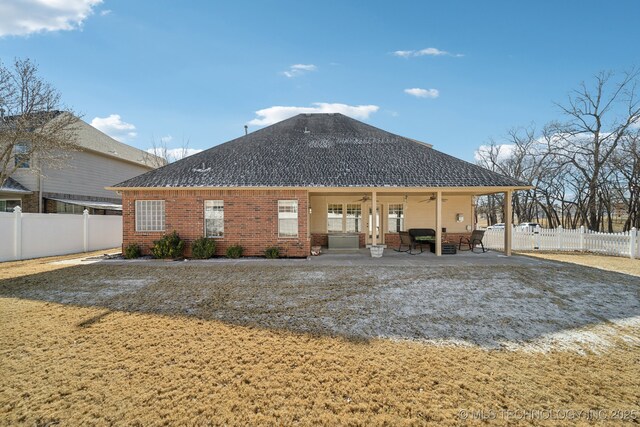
{"x":396,"y":218}
{"x":334,"y":218}
{"x":68,"y":208}
{"x":8,"y":205}
{"x":287,"y":218}
{"x":149,"y":215}
{"x":354,"y":219}
{"x":214,"y":218}
{"x":21,"y":156}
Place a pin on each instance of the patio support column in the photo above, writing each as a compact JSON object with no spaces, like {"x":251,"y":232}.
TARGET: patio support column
{"x":438,"y":223}
{"x":374,"y":218}
{"x":507,"y":222}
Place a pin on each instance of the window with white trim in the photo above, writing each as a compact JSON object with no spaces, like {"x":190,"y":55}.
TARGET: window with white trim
{"x":149,"y":215}
{"x":334,"y":218}
{"x":214,"y":218}
{"x":353,"y":222}
{"x":7,"y":205}
{"x":21,"y":155}
{"x":396,"y":218}
{"x":287,"y":218}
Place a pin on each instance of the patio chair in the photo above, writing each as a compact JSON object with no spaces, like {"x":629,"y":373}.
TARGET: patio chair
{"x":405,"y":240}
{"x":472,"y":241}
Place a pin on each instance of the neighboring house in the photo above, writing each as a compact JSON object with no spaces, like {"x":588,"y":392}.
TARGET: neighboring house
{"x":79,"y":184}
{"x":297,"y":182}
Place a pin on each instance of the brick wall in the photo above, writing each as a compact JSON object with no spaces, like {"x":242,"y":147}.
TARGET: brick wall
{"x":250,"y":219}
{"x":392,"y":240}
{"x":30,"y":203}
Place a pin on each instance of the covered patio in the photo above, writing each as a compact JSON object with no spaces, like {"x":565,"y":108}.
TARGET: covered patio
{"x":347,"y":215}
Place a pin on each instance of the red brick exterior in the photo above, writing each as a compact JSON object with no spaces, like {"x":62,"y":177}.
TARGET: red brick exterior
{"x":392,"y":240}
{"x":250,"y":219}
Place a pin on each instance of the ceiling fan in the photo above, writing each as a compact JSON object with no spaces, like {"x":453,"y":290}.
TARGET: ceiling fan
{"x":431,"y":198}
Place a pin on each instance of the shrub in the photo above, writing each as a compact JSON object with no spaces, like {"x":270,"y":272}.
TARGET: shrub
{"x":234,"y":251}
{"x":203,"y":248}
{"x":169,"y":246}
{"x":272,"y":252}
{"x":132,"y":251}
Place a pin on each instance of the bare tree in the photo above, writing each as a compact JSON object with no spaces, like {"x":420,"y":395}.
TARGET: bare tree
{"x":598,"y":120}
{"x":34,"y":125}
{"x":585,"y":170}
{"x":160,"y":154}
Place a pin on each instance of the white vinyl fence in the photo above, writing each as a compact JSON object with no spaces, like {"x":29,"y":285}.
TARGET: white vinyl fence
{"x":625,"y":244}
{"x":29,"y":235}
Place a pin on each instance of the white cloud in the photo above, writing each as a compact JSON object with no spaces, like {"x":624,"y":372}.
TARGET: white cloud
{"x":173,"y":154}
{"x":423,"y":93}
{"x":166,"y":139}
{"x":499,"y":152}
{"x":105,"y":12}
{"x":115,"y":127}
{"x":429,"y":51}
{"x":23,"y":17}
{"x":271,"y":115}
{"x":299,"y":69}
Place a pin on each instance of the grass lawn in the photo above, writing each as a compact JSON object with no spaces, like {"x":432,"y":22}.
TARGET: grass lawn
{"x":142,"y":344}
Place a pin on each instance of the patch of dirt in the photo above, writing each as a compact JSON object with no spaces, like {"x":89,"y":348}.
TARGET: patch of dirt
{"x":11,"y":269}
{"x":609,"y":263}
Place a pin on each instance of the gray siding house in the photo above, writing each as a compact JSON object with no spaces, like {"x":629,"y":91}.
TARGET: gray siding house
{"x":99,"y":161}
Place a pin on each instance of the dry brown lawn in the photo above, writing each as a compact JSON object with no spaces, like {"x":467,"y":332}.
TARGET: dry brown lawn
{"x":609,"y":263}
{"x":73,"y":365}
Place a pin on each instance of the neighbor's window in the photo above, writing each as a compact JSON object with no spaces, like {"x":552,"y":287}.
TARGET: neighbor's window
{"x":287,"y":218}
{"x":68,"y":208}
{"x":8,"y":205}
{"x":214,"y":218}
{"x":21,"y":156}
{"x":149,"y":215}
{"x":396,"y":218}
{"x":354,"y":219}
{"x":334,"y":218}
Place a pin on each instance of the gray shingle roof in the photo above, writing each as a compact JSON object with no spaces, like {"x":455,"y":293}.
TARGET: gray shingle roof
{"x":321,"y":150}
{"x":13,"y":186}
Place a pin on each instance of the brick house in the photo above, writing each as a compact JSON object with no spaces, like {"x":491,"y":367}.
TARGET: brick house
{"x":308,"y":180}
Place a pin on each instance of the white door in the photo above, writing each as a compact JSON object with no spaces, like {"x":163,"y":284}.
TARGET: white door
{"x":378,"y":226}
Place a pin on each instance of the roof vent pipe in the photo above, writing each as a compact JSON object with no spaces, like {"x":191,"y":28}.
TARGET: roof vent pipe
{"x":246,"y":129}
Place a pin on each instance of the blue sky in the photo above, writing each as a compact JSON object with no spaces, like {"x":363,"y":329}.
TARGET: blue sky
{"x":201,"y":70}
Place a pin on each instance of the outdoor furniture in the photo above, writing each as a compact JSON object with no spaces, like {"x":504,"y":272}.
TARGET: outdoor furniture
{"x":446,"y":248}
{"x":419,"y":236}
{"x":405,"y":240}
{"x":475,"y":239}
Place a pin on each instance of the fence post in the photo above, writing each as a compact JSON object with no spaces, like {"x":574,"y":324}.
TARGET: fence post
{"x":582,"y":238}
{"x":633,"y":244}
{"x":536,"y":237}
{"x":85,"y":230}
{"x":560,"y":235}
{"x":17,"y":233}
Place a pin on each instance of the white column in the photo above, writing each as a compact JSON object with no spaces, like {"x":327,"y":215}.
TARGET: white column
{"x":507,"y":223}
{"x":85,"y":230}
{"x":633,"y":244}
{"x":438,"y":223}
{"x":374,"y":218}
{"x":17,"y":233}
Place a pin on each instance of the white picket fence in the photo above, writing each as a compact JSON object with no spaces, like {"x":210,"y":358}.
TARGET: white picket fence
{"x":31,"y":235}
{"x":625,"y":244}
